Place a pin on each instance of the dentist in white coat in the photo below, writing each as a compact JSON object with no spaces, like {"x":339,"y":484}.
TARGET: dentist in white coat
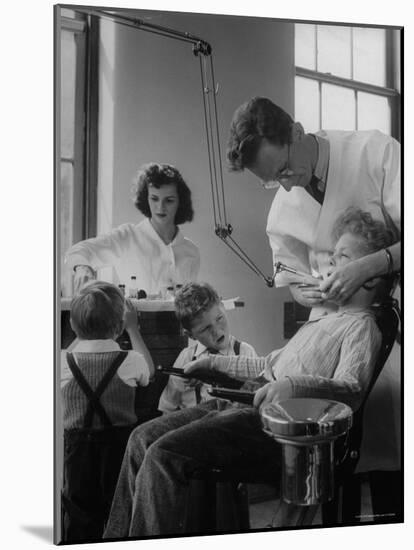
{"x":317,"y":177}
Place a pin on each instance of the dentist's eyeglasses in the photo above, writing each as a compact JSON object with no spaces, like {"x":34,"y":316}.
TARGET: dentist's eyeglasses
{"x":284,"y":174}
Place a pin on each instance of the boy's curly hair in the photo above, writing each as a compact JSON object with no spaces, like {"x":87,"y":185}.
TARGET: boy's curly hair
{"x":375,"y":233}
{"x":192,"y":300}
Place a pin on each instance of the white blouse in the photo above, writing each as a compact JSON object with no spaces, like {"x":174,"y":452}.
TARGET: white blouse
{"x":139,"y":250}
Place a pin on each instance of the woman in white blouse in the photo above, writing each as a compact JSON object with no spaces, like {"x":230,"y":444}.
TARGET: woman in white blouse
{"x":154,"y":250}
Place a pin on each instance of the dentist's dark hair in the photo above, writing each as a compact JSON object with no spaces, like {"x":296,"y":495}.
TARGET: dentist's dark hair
{"x":253,"y":121}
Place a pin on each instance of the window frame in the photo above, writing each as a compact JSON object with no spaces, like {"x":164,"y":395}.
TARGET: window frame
{"x":85,"y":174}
{"x":85,"y":152}
{"x":390,"y":91}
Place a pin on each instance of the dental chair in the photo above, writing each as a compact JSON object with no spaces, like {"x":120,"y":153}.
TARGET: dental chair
{"x":208,"y":513}
{"x":346,"y":505}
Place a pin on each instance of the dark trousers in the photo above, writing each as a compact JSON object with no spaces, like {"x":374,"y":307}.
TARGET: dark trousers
{"x":92,"y":460}
{"x":162,"y":456}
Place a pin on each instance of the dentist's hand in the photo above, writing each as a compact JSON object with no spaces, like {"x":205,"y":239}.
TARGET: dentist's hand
{"x":343,"y":282}
{"x":306,"y":295}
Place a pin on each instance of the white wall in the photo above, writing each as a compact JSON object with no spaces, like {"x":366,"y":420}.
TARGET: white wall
{"x":151,"y":110}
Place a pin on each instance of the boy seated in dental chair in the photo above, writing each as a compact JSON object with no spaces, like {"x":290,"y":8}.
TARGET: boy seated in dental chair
{"x":331,"y":357}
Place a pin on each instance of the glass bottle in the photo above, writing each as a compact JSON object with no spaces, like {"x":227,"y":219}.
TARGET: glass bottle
{"x":133,"y":289}
{"x":170,"y":293}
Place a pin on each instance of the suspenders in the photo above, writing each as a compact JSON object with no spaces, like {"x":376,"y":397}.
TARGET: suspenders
{"x":94,"y":404}
{"x":197,"y":389}
{"x":236,"y":347}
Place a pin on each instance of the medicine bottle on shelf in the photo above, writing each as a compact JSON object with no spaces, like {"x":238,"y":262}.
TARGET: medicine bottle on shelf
{"x":170,"y":293}
{"x":122,"y":289}
{"x":133,"y":288}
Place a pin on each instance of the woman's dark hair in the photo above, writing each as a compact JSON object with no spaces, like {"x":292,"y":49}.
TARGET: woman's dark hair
{"x":257,"y":119}
{"x":158,"y":175}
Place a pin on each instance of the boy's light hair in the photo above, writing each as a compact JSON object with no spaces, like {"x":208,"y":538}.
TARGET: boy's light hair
{"x":97,"y":311}
{"x":192,"y":300}
{"x":375,"y":235}
{"x":361,"y":224}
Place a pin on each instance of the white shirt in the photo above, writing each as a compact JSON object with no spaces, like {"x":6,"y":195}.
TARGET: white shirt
{"x":133,"y":371}
{"x":178,"y":394}
{"x":332,"y":357}
{"x":139,"y":250}
{"x":363,"y":171}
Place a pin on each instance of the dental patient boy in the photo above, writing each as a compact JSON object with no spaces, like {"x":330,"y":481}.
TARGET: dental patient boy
{"x":332,"y":357}
{"x":203,"y":318}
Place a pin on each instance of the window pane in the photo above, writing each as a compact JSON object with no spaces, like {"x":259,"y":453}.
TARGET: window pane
{"x":66,"y":202}
{"x":66,"y":220}
{"x":369,"y":55}
{"x":334,"y":50}
{"x":396,"y":61}
{"x":374,"y":112}
{"x":64,"y":12}
{"x":338,"y":108}
{"x":67,"y":111}
{"x":307,"y":103}
{"x":305,"y":46}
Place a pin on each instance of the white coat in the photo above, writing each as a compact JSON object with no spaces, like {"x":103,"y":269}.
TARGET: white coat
{"x":364,"y":171}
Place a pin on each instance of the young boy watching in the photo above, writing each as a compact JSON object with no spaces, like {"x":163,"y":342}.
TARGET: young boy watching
{"x":98,"y":383}
{"x":203,"y":318}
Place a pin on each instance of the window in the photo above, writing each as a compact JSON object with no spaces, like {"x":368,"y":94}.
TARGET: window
{"x":349,"y":76}
{"x":76,"y":117}
{"x":71,"y":125}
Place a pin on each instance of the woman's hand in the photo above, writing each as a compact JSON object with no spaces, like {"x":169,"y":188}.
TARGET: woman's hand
{"x":343,"y":282}
{"x":273,"y":392}
{"x":83,"y":274}
{"x":131,"y":325}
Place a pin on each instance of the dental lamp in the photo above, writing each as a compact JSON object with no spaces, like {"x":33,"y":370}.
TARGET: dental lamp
{"x":203,"y":50}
